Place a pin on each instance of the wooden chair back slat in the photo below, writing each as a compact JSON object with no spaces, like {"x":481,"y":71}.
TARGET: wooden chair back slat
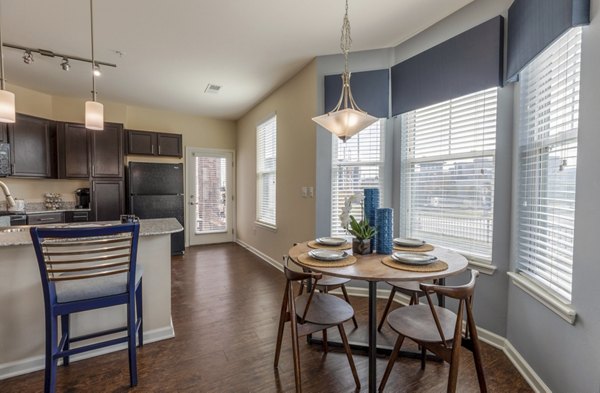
{"x":90,"y":251}
{"x":90,"y":275}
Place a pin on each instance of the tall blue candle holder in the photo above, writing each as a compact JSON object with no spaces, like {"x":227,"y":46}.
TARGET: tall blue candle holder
{"x":371,"y":204}
{"x":384,"y":222}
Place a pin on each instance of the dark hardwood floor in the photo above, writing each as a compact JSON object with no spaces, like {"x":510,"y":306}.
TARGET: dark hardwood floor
{"x":225,"y":311}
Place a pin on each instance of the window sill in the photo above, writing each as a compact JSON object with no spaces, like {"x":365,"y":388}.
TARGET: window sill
{"x":563,"y":310}
{"x":482,"y":267}
{"x":264,"y":225}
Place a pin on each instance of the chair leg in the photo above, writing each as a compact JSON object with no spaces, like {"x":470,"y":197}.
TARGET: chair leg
{"x":64,"y":330}
{"x":347,"y":298}
{"x":476,"y":352}
{"x":282,"y":320}
{"x":391,"y":362}
{"x":50,"y":371}
{"x":131,"y":342}
{"x":349,"y":354}
{"x":423,"y":357}
{"x":325,"y":345}
{"x":295,"y":346}
{"x":140,"y":313}
{"x":387,"y":309}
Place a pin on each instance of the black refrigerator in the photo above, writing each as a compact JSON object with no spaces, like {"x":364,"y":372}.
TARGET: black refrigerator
{"x":156,"y":191}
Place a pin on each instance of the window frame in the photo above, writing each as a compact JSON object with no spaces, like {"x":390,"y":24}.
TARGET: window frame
{"x":261,"y":173}
{"x":481,"y":262}
{"x":335,"y":165}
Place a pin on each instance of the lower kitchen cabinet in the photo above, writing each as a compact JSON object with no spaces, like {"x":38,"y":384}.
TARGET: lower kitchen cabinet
{"x":107,"y":199}
{"x":45,"y":218}
{"x":77,"y":216}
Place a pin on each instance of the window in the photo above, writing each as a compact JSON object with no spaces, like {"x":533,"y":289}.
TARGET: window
{"x":549,"y":109}
{"x":266,"y":167}
{"x":356,"y":165}
{"x":447,"y":174}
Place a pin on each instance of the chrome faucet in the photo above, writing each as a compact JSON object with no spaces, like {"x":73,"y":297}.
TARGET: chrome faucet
{"x":9,"y":199}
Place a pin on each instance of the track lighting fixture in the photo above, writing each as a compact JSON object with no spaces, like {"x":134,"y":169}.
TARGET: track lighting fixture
{"x":7,"y":98}
{"x":97,"y":71}
{"x":27,"y":57}
{"x":65,"y":64}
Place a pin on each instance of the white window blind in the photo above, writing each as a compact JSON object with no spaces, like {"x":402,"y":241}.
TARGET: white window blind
{"x":356,"y":165}
{"x":211,"y":194}
{"x":549,"y":111}
{"x":266,"y":166}
{"x":447,"y":173}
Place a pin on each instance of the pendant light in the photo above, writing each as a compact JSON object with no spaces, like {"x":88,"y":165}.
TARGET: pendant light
{"x":94,"y":111}
{"x":7,"y":98}
{"x":348,"y":120}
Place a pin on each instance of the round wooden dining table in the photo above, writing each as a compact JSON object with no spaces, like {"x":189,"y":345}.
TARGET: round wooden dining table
{"x":370,"y":268}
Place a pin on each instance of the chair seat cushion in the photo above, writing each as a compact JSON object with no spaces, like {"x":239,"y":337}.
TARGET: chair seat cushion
{"x":91,"y":288}
{"x":324,"y":309}
{"x":330,"y":281}
{"x":417,"y":323}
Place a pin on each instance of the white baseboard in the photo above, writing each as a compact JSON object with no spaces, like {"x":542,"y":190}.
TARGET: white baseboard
{"x":488,"y":337}
{"x":36,"y":363}
{"x":261,"y":255}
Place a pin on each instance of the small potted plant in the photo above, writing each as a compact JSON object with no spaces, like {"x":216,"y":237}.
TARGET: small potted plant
{"x":363,"y":233}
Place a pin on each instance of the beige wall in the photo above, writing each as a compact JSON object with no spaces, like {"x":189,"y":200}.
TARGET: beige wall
{"x":197,"y":131}
{"x":295,"y":104}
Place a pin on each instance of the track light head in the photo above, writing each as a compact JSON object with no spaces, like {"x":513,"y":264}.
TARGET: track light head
{"x":65,"y":64}
{"x":97,"y":71}
{"x":28,"y":57}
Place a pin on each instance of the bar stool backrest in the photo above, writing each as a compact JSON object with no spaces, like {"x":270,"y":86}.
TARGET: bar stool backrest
{"x":66,"y":254}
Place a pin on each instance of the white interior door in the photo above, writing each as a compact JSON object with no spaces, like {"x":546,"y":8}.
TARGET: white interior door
{"x":210,"y":196}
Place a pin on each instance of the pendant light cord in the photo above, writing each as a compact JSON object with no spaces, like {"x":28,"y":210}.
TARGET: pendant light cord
{"x":346,"y":40}
{"x":93,"y":58}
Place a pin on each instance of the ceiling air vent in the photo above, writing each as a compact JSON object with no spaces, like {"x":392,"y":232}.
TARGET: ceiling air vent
{"x":212,"y":89}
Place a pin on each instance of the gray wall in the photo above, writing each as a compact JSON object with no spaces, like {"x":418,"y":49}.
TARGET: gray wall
{"x":566,"y":357}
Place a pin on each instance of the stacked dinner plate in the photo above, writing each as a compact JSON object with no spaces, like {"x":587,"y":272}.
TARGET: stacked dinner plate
{"x":327,"y":255}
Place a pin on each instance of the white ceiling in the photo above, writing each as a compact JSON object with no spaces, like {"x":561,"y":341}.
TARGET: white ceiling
{"x":173,"y":49}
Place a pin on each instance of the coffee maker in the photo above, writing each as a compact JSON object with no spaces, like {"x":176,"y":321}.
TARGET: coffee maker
{"x":82,"y":196}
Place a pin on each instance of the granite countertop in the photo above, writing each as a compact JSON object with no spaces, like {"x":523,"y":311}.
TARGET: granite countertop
{"x":28,"y":211}
{"x":149,"y":227}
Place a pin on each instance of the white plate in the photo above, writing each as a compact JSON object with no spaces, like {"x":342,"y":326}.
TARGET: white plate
{"x":331,"y":241}
{"x":408,"y":242}
{"x":413,"y":258}
{"x":328,"y":255}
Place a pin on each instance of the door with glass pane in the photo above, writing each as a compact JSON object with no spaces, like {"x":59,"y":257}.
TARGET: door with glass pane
{"x":210,"y":196}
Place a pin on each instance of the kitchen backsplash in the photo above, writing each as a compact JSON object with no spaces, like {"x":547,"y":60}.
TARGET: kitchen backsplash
{"x":33,"y":190}
{"x":41,"y":206}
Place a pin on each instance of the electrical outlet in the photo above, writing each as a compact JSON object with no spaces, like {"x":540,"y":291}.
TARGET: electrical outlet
{"x":304,"y":192}
{"x":311,"y":192}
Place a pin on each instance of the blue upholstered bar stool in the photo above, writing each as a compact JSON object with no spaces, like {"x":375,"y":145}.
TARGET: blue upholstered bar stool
{"x":86,"y":269}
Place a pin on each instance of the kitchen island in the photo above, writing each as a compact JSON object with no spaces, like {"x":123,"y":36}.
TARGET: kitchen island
{"x":22,"y":334}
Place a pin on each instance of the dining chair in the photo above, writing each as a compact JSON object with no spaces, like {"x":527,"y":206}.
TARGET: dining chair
{"x":309,"y":313}
{"x":85,"y":269}
{"x":439,"y":330}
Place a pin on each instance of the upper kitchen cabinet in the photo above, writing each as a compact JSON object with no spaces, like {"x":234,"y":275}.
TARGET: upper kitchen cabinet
{"x":3,"y":132}
{"x":169,"y":145}
{"x":106,"y":151}
{"x":32,"y":147}
{"x":150,"y":143}
{"x":73,"y":151}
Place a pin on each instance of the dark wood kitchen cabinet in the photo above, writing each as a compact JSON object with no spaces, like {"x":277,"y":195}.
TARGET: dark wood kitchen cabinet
{"x":3,"y":132}
{"x":108,"y":199}
{"x":106,"y":151}
{"x":73,"y":151}
{"x":150,"y":143}
{"x":169,"y":145}
{"x":141,"y":142}
{"x":32,"y":146}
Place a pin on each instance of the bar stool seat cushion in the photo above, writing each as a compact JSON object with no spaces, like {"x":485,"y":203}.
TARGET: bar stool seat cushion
{"x":92,"y":288}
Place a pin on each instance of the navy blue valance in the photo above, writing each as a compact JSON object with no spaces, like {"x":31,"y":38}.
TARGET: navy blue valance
{"x":370,"y":89}
{"x":534,"y":24}
{"x":467,"y":63}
